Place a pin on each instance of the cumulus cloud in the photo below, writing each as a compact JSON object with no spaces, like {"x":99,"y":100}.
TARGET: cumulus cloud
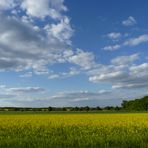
{"x":130,"y":21}
{"x":43,"y":8}
{"x":61,"y":31}
{"x":122,"y":73}
{"x":26,"y":46}
{"x":86,"y":60}
{"x":141,"y":69}
{"x":20,"y":45}
{"x":7,"y":4}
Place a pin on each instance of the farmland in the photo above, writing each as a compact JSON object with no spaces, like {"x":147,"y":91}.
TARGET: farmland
{"x":74,"y":130}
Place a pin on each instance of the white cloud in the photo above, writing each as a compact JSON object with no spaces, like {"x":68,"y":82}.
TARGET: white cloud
{"x":26,"y":90}
{"x":137,"y":41}
{"x":83,"y":59}
{"x":108,"y":76}
{"x":20,"y":45}
{"x":53,"y":76}
{"x":122,"y":60}
{"x":112,"y":47}
{"x":26,"y":46}
{"x":114,"y":35}
{"x":23,"y":48}
{"x":122,"y":79}
{"x":7,"y":4}
{"x":130,"y":42}
{"x":130,"y":21}
{"x":140,"y":70}
{"x":72,"y":72}
{"x":17,"y":90}
{"x":43,"y":8}
{"x":129,"y":86}
{"x":61,"y":31}
{"x":122,"y":73}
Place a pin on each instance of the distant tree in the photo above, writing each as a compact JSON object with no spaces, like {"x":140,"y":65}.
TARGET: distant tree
{"x":86,"y":108}
{"x":64,"y":109}
{"x":137,"y":104}
{"x":16,"y":109}
{"x":98,"y":108}
{"x":109,"y":108}
{"x":76,"y":108}
{"x":117,"y":108}
{"x":50,"y":108}
{"x":124,"y":104}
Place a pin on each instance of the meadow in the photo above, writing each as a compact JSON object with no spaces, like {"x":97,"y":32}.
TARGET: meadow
{"x":90,"y":130}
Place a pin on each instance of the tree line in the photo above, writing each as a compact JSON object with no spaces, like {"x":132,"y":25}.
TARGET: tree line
{"x":50,"y":108}
{"x":131,"y":105}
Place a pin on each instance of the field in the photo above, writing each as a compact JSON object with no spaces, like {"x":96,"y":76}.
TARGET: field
{"x":74,"y":130}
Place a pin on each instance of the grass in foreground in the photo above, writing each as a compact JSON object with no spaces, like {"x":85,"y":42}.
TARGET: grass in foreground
{"x":74,"y":130}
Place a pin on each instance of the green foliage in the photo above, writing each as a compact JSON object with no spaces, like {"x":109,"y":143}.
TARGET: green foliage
{"x":136,"y":105}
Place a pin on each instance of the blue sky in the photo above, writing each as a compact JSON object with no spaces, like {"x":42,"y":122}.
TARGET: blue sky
{"x":72,"y":52}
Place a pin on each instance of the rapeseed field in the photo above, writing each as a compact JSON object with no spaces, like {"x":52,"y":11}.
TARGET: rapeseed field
{"x":74,"y":130}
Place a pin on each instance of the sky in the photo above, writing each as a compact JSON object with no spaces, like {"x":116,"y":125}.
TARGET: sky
{"x":72,"y":52}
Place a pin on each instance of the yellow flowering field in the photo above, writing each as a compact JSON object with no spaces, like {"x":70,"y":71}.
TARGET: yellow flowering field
{"x":74,"y":130}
